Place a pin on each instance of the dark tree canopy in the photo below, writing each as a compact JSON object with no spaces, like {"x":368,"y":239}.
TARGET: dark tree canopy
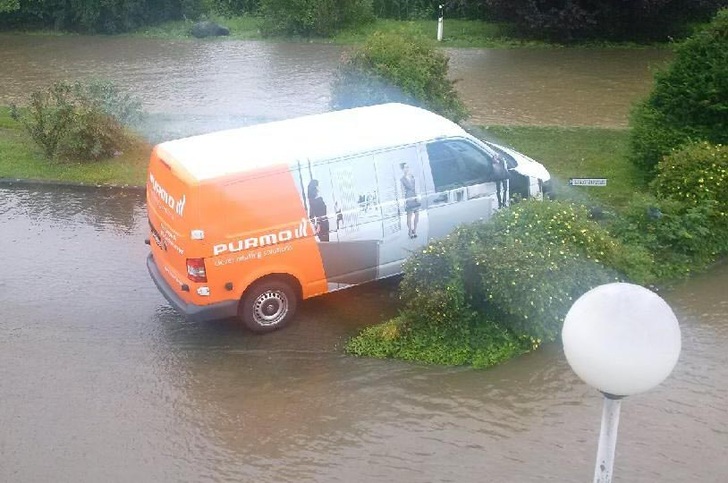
{"x":560,"y":20}
{"x":320,"y":18}
{"x":102,"y":16}
{"x":567,"y":20}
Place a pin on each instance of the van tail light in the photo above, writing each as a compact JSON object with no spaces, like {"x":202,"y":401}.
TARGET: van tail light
{"x":196,"y":270}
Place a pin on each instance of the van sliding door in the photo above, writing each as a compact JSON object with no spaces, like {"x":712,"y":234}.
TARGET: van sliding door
{"x":365,"y":210}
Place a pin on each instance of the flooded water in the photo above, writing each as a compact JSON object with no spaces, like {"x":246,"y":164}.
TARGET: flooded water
{"x":101,"y":381}
{"x":196,"y":86}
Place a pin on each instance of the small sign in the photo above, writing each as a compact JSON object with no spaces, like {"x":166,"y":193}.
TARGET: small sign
{"x":588,"y":181}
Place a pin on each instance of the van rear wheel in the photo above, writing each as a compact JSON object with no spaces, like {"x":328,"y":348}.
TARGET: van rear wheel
{"x":267,"y":305}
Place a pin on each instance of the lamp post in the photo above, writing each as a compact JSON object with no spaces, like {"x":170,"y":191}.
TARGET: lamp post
{"x":621,"y":339}
{"x":440,"y":10}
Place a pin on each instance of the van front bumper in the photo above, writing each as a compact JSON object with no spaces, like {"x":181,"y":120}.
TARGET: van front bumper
{"x":192,"y":312}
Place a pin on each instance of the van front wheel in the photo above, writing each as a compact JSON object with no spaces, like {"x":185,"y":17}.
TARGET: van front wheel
{"x":267,"y":306}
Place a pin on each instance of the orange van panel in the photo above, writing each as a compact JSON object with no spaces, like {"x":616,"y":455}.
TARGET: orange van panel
{"x":254,"y":225}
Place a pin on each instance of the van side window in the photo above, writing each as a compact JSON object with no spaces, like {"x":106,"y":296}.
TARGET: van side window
{"x":458,"y":163}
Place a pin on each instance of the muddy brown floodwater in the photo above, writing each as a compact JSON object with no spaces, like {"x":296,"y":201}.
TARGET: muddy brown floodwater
{"x":192,"y":86}
{"x":101,"y":381}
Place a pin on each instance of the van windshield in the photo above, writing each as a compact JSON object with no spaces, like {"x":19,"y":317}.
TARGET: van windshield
{"x":510,"y":160}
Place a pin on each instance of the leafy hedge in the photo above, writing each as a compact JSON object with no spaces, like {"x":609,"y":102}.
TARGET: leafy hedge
{"x":685,"y":223}
{"x":439,"y":323}
{"x":695,"y":174}
{"x":689,"y":102}
{"x":397,"y":67}
{"x":492,"y":290}
{"x":320,"y":18}
{"x":538,"y":257}
{"x":680,"y":238}
{"x":95,"y":16}
{"x":569,"y":20}
{"x":232,"y":8}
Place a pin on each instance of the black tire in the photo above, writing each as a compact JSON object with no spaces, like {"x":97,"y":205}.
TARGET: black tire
{"x":267,"y":305}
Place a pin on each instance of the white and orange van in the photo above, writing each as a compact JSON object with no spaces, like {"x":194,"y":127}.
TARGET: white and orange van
{"x":246,"y":222}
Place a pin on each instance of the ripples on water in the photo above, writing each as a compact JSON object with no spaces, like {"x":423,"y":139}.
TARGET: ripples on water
{"x":191,"y":86}
{"x":102,"y":381}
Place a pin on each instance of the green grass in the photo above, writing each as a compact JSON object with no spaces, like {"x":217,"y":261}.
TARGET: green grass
{"x":566,"y":153}
{"x":578,"y":152}
{"x":457,"y":33}
{"x":20,"y":158}
{"x":241,"y":28}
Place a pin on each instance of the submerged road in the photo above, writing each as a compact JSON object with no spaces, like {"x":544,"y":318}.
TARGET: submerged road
{"x":101,"y":381}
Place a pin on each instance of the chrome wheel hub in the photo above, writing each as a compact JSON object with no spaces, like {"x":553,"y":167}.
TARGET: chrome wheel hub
{"x":270,"y":308}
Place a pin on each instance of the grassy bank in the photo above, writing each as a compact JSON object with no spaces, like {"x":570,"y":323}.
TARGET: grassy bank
{"x":241,"y":28}
{"x":21,"y":158}
{"x":578,"y":153}
{"x":566,"y":152}
{"x":456,"y":33}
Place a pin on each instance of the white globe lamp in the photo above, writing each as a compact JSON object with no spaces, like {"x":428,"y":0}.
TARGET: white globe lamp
{"x":621,"y":339}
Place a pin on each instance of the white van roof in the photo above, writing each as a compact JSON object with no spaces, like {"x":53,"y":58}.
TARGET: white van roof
{"x":320,"y":136}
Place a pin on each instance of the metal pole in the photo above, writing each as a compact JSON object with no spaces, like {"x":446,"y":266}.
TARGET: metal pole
{"x":607,"y":439}
{"x":440,"y":22}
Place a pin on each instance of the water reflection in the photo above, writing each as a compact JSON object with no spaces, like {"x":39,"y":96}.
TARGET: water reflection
{"x":105,"y":209}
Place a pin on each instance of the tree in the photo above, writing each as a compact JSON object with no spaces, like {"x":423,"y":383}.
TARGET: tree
{"x":397,"y":67}
{"x":9,"y":5}
{"x":689,"y":102}
{"x":107,"y":16}
{"x":568,"y":20}
{"x":319,"y":18}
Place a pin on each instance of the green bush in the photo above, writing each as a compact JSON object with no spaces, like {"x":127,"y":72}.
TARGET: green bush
{"x":404,"y":9}
{"x":9,"y":5}
{"x":532,"y":287}
{"x":652,"y":136}
{"x":478,"y":343}
{"x":94,"y":16}
{"x":693,"y":182}
{"x":564,"y":225}
{"x":536,"y":258}
{"x":696,"y":173}
{"x":689,"y":101}
{"x":79,"y":121}
{"x":493,"y":290}
{"x":439,"y":324}
{"x":570,"y":20}
{"x":232,"y":8}
{"x":397,"y":67}
{"x":433,"y":287}
{"x":680,"y":238}
{"x":313,"y":18}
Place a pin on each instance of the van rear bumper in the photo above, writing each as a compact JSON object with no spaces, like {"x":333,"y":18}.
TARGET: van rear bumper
{"x":195,"y":313}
